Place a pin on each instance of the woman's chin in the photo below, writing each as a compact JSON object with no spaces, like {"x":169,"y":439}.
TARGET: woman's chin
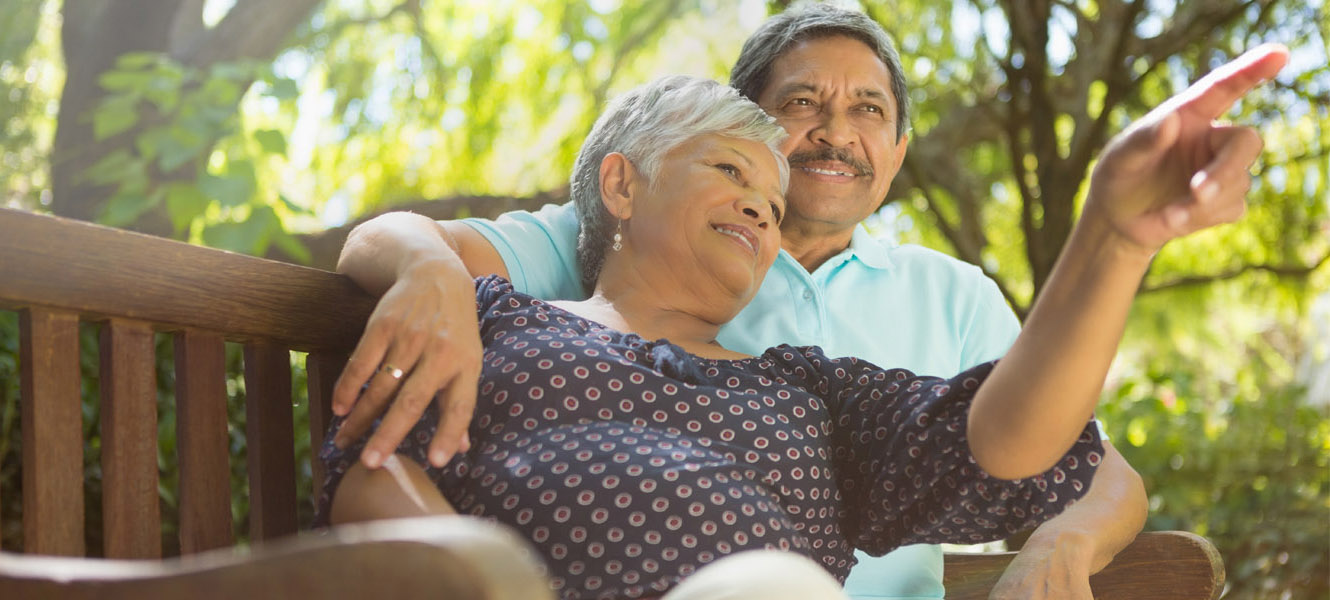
{"x":741,"y":284}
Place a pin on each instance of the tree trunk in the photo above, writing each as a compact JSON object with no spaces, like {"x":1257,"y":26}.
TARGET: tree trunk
{"x":94,"y":34}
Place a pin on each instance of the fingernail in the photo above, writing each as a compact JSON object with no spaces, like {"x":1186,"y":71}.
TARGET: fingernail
{"x":439,"y":458}
{"x":466,"y":442}
{"x":372,"y":458}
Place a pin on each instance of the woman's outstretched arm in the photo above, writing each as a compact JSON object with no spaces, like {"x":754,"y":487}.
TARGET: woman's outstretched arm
{"x":1173,"y":173}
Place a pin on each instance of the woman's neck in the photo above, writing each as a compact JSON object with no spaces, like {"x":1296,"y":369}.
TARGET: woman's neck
{"x":654,"y":307}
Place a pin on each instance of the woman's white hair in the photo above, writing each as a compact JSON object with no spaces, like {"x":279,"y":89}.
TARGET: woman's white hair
{"x":646,"y":123}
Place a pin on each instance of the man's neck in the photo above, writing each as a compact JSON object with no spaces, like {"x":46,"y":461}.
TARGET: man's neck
{"x":812,"y":246}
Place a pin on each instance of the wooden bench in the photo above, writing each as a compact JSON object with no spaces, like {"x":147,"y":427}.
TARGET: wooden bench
{"x":57,"y":272}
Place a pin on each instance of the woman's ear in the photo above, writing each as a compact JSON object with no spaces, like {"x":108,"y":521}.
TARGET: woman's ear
{"x":619,"y":184}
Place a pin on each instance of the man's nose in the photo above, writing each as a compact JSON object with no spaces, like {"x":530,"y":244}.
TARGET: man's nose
{"x":834,"y":129}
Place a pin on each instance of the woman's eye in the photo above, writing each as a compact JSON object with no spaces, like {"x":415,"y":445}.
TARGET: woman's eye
{"x":729,"y":169}
{"x":775,"y":211}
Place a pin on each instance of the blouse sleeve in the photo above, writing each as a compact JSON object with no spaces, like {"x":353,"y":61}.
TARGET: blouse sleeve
{"x":904,"y":466}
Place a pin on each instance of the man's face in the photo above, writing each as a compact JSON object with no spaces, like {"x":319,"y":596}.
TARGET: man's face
{"x":833,"y":95}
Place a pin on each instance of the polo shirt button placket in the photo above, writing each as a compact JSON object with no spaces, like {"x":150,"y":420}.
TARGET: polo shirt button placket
{"x":808,"y":295}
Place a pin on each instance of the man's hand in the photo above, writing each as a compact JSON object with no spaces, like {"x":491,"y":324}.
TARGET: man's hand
{"x":1060,"y":555}
{"x":1176,"y":171}
{"x":421,"y":343}
{"x":1044,"y":573}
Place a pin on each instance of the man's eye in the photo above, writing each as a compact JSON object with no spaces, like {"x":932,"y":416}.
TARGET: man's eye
{"x":873,"y":108}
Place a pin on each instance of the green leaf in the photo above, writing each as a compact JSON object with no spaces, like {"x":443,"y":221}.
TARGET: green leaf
{"x":125,"y":207}
{"x":293,"y":207}
{"x":292,"y":246}
{"x":115,"y":115}
{"x":228,"y":189}
{"x":111,"y":168}
{"x":219,"y":92}
{"x":250,"y":236}
{"x":283,"y":88}
{"x":233,"y":71}
{"x":185,"y":202}
{"x":271,"y":140}
{"x":122,"y":81}
{"x":136,"y":60}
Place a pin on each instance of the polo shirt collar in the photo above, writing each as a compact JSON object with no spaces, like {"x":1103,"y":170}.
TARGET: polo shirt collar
{"x":868,"y":249}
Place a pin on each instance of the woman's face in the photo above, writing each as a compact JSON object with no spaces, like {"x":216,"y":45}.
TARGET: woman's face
{"x":712,"y":215}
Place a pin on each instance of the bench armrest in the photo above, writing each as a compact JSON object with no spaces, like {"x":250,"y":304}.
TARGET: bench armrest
{"x":435,"y":557}
{"x":1161,"y":565}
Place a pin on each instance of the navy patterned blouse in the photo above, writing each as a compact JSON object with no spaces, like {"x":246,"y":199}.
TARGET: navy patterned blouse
{"x":630,"y":463}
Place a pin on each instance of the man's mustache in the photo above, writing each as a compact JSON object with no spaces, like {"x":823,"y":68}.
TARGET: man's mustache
{"x":843,"y":155}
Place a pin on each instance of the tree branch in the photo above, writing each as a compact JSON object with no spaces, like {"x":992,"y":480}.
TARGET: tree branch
{"x":333,"y":30}
{"x":1280,"y":270}
{"x":948,"y":231}
{"x":1084,"y":146}
{"x":630,"y":46}
{"x":252,"y":29}
{"x":187,"y":26}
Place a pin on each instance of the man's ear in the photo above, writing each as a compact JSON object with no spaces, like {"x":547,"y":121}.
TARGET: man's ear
{"x":620,"y":184}
{"x":902,"y":145}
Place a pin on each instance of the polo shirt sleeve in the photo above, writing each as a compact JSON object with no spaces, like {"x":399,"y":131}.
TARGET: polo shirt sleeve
{"x":539,"y":249}
{"x":992,"y":327}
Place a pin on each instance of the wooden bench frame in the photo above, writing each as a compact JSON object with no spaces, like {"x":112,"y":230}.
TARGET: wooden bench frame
{"x":57,"y":272}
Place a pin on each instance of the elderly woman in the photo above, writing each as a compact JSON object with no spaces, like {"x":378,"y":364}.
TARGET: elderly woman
{"x":633,"y":450}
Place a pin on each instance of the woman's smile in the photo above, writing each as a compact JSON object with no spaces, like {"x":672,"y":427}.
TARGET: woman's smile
{"x":743,"y":235}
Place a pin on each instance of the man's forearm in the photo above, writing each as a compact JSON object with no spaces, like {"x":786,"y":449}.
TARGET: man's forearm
{"x":377,"y":252}
{"x":1101,"y":523}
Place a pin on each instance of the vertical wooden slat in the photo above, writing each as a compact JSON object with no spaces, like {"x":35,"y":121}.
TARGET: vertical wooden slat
{"x":131,"y":518}
{"x":322,"y":369}
{"x":270,"y":431}
{"x":202,"y":442}
{"x":52,"y":433}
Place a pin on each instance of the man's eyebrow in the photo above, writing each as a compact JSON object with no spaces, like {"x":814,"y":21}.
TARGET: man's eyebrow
{"x":873,"y":93}
{"x":863,"y":92}
{"x":791,"y":88}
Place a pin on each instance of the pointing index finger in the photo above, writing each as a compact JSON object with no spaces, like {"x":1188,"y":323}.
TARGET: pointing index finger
{"x":1213,"y":94}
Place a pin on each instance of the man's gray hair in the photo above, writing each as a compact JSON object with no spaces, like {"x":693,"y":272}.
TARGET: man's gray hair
{"x":646,"y":123}
{"x":779,"y":33}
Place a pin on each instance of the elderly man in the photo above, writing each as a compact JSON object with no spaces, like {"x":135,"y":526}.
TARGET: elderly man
{"x":832,"y":78}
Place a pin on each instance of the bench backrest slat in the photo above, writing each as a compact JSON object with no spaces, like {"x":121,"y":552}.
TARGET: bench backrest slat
{"x":269,"y":429}
{"x":131,"y":517}
{"x":57,"y":272}
{"x":202,"y":444}
{"x":52,"y":419}
{"x":322,"y":370}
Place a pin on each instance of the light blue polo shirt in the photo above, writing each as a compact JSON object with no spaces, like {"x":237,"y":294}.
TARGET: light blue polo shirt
{"x":895,"y":306}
